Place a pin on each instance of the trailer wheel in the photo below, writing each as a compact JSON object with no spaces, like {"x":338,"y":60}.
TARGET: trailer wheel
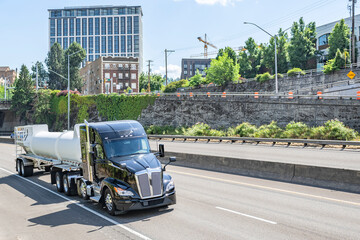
{"x":109,"y":203}
{"x":69,"y":186}
{"x":18,"y":167}
{"x":28,"y":170}
{"x":59,"y":181}
{"x":82,"y":189}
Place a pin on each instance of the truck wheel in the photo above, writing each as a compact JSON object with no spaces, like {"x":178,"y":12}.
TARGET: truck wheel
{"x":18,"y":167}
{"x":28,"y":170}
{"x":69,"y":186}
{"x":82,"y":189}
{"x":109,"y":203}
{"x":59,"y":181}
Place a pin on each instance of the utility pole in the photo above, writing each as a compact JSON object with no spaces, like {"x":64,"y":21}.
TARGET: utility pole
{"x":350,"y":57}
{"x":37,"y":78}
{"x":353,"y":30}
{"x":166,"y":55}
{"x":149,"y":64}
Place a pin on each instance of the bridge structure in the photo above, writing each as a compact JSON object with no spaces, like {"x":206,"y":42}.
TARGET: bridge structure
{"x":8,"y":120}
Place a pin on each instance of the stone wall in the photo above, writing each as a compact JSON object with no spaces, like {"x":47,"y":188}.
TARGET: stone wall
{"x":305,"y":84}
{"x":225,"y":112}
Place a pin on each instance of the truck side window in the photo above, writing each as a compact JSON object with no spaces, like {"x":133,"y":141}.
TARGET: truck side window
{"x":99,"y":148}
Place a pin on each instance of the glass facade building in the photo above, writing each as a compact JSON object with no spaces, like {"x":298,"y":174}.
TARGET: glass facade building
{"x":101,"y":30}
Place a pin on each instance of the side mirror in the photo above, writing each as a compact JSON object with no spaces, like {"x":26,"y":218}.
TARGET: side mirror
{"x":171,"y":159}
{"x":161,"y":150}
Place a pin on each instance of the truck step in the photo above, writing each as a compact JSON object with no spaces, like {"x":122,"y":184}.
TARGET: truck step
{"x":95,"y":198}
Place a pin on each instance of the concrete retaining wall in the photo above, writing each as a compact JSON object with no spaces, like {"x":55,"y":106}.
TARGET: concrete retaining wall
{"x":338,"y":179}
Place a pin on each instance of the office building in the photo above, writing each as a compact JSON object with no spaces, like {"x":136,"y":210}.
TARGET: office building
{"x":101,"y":30}
{"x":7,"y":74}
{"x":110,"y":75}
{"x":190,"y":65}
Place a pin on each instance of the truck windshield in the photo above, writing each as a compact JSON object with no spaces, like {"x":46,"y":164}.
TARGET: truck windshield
{"x":126,"y":146}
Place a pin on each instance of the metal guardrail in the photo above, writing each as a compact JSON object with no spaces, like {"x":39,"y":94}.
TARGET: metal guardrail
{"x":305,"y":142}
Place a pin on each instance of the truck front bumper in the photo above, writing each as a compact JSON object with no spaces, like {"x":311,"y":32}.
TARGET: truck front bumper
{"x":137,"y":204}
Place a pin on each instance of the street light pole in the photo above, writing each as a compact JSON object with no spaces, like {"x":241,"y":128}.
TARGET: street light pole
{"x":276,"y":75}
{"x":166,"y":56}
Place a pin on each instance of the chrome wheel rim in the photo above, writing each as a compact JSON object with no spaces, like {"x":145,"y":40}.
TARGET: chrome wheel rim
{"x":65,"y":185}
{"x":108,"y":202}
{"x":83,"y":189}
{"x":58,"y":181}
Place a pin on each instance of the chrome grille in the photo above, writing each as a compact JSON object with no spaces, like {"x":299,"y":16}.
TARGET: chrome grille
{"x":149,"y":183}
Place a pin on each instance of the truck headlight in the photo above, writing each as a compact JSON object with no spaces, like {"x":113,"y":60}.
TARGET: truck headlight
{"x":170,"y":187}
{"x":123,"y":193}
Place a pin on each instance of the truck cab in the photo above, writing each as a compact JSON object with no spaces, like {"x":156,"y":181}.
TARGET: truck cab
{"x":119,"y":170}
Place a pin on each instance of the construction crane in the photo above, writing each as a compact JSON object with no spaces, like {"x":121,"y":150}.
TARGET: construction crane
{"x":206,"y":43}
{"x":236,"y":49}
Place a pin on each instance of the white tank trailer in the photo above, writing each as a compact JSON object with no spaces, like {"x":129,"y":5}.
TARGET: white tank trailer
{"x":108,"y":162}
{"x":62,"y":146}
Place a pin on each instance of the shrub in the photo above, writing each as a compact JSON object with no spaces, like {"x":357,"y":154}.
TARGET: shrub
{"x":333,"y":130}
{"x":173,"y":86}
{"x":335,"y":64}
{"x":271,"y":130}
{"x":245,"y":130}
{"x":295,"y":72}
{"x":199,"y":129}
{"x":165,"y":130}
{"x":296,"y":130}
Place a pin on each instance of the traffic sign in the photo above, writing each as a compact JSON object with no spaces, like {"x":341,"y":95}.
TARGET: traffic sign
{"x":351,"y":74}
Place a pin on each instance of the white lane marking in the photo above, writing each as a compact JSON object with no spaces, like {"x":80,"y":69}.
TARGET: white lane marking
{"x":246,"y":215}
{"x":268,"y":188}
{"x":82,"y":206}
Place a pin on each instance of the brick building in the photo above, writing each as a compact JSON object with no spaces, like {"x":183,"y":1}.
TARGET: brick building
{"x":110,"y":75}
{"x":8,"y":74}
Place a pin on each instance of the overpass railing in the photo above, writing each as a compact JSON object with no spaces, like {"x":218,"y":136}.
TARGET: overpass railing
{"x":273,"y":141}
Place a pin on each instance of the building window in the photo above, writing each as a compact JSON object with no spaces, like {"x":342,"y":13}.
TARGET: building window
{"x":129,"y":25}
{"x":52,"y":41}
{"x":136,"y":25}
{"x":110,"y":25}
{"x":122,"y":11}
{"x":122,"y":25}
{"x":58,"y":27}
{"x":107,"y":75}
{"x":123,"y":46}
{"x":129,"y":43}
{"x":84,"y":26}
{"x":120,"y":76}
{"x":116,"y":44}
{"x":91,"y":44}
{"x":116,"y":25}
{"x":126,"y":75}
{"x":59,"y":41}
{"x":136,"y":43}
{"x":97,"y":44}
{"x":97,"y":26}
{"x":65,"y":27}
{"x":66,"y":43}
{"x":91,"y":58}
{"x":84,"y":43}
{"x":97,"y":56}
{"x":71,"y":27}
{"x":103,"y":26}
{"x":133,"y":76}
{"x":133,"y":66}
{"x":133,"y":85}
{"x":91,"y":26}
{"x":103,"y":44}
{"x":78,"y":40}
{"x":91,"y":12}
{"x":110,"y":44}
{"x":71,"y":40}
{"x":52,"y":27}
{"x":323,"y":40}
{"x":78,"y":27}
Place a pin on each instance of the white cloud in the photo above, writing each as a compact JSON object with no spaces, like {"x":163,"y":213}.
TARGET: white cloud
{"x":222,"y":2}
{"x":174,"y":71}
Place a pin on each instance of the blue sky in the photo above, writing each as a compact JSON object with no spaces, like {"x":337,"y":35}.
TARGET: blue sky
{"x":171,"y":24}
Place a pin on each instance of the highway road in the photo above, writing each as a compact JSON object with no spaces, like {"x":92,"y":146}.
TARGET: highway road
{"x":210,"y":205}
{"x":313,"y":156}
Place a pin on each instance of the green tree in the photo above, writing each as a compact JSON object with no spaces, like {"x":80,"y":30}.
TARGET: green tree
{"x":55,"y":62}
{"x":339,"y":39}
{"x":156,"y":82}
{"x":196,"y":80}
{"x":302,"y":45}
{"x":250,"y":59}
{"x":231,"y":53}
{"x":222,"y":70}
{"x":337,"y":63}
{"x":42,"y":73}
{"x":23,"y":94}
{"x":282,"y":53}
{"x":77,"y":56}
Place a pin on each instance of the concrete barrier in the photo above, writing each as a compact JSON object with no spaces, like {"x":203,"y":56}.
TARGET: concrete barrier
{"x":332,"y":178}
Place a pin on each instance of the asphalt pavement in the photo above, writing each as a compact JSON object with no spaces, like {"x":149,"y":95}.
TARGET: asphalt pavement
{"x":210,"y":205}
